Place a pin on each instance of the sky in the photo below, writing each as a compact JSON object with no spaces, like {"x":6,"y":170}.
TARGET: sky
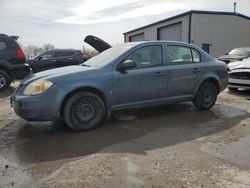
{"x":65,"y":23}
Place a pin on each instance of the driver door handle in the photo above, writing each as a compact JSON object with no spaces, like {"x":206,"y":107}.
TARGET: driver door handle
{"x":196,"y":70}
{"x":159,"y":74}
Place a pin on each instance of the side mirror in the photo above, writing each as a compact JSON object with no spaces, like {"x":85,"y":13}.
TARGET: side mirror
{"x":227,"y":53}
{"x":128,"y":64}
{"x":39,"y":58}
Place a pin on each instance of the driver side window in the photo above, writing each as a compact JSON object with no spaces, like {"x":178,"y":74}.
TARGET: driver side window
{"x":145,"y":57}
{"x":47,"y":55}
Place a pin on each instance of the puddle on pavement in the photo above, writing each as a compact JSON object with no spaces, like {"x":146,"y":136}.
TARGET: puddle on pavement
{"x":236,"y":152}
{"x":227,"y":111}
{"x":40,"y":143}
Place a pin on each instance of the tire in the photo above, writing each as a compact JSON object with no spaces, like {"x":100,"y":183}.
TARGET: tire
{"x":206,"y":96}
{"x":232,"y":89}
{"x":84,"y":111}
{"x":5,"y":80}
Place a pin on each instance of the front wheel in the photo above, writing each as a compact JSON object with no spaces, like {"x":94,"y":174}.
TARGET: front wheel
{"x":206,"y":96}
{"x":84,"y":111}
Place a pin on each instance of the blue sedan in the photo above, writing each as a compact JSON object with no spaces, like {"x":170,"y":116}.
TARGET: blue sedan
{"x":130,"y":75}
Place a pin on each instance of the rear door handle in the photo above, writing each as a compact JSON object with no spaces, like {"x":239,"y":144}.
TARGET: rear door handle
{"x":159,"y":74}
{"x":196,"y":70}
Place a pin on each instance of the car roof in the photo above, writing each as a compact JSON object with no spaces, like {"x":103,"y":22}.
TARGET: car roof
{"x":162,"y":41}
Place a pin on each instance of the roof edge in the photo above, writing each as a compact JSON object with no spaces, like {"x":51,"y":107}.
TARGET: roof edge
{"x":187,"y":13}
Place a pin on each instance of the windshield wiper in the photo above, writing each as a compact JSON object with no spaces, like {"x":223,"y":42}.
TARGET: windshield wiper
{"x":85,"y":65}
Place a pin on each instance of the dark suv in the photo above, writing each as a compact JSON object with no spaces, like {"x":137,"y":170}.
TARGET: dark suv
{"x":12,"y":61}
{"x":56,"y":58}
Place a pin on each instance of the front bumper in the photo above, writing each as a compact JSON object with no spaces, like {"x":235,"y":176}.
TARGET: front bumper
{"x":42,"y":107}
{"x":238,"y":83}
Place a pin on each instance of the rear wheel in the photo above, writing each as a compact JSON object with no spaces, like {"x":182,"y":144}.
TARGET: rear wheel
{"x":84,"y":111}
{"x":206,"y":96}
{"x":5,"y":80}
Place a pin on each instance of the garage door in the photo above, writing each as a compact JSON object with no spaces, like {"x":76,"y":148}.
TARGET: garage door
{"x":138,"y":37}
{"x":172,"y":32}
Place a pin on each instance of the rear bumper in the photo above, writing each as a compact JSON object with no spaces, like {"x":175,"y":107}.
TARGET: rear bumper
{"x":20,"y":71}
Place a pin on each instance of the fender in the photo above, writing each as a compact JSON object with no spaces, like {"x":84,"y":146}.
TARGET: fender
{"x":209,"y":77}
{"x":106,"y":96}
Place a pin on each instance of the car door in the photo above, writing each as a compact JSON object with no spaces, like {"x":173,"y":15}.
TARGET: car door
{"x":43,"y":62}
{"x":145,"y":84}
{"x":185,"y":68}
{"x":64,"y":58}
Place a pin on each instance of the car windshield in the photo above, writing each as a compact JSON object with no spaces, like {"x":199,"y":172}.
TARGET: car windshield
{"x":108,"y":56}
{"x":242,"y":52}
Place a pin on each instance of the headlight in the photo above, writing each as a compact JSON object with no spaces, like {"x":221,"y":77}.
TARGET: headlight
{"x":37,"y":87}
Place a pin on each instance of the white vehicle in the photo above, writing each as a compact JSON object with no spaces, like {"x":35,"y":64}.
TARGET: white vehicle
{"x":239,"y":74}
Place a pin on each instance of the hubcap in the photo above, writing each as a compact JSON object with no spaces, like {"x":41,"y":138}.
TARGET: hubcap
{"x":207,"y":96}
{"x":2,"y":81}
{"x":84,"y":111}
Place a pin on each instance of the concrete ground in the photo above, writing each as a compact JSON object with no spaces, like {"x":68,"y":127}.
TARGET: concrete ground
{"x":169,"y":146}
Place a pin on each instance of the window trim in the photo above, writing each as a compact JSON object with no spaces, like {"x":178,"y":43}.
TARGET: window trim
{"x":193,"y":49}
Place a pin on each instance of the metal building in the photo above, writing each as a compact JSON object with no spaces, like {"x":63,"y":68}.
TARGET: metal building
{"x":215,"y":32}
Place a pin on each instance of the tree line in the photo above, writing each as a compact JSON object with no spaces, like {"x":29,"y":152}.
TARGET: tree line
{"x":32,"y":51}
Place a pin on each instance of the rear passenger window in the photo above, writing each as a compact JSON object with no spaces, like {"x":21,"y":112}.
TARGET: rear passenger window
{"x":181,"y":54}
{"x":2,"y":45}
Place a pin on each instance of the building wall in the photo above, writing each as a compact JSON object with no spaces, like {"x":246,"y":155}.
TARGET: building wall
{"x":150,"y":33}
{"x":223,"y":32}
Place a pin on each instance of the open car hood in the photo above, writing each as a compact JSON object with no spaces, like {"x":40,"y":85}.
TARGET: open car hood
{"x":97,"y":43}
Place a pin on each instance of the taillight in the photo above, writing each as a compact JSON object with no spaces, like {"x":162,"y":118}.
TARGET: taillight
{"x":20,"y":53}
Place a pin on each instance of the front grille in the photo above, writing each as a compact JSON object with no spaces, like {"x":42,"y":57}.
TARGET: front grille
{"x":240,"y":75}
{"x":238,"y":84}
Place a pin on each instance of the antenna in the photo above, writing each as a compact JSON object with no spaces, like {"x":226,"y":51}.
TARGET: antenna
{"x":235,"y":4}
